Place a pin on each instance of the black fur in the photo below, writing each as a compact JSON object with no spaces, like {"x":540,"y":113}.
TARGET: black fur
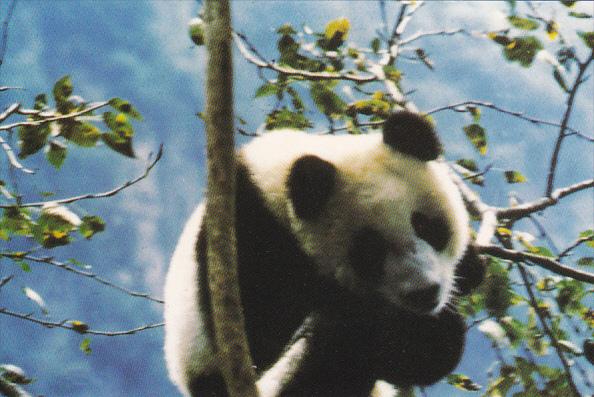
{"x":353,"y":340}
{"x":311,"y":183}
{"x":433,"y":230}
{"x":470,"y":271}
{"x":367,"y":255}
{"x":410,"y":133}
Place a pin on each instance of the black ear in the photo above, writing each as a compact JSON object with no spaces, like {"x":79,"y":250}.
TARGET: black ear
{"x":470,"y":271}
{"x":310,"y":183}
{"x":412,"y":134}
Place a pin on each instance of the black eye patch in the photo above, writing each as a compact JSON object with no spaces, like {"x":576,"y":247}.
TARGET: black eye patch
{"x":367,"y":254}
{"x":433,"y":230}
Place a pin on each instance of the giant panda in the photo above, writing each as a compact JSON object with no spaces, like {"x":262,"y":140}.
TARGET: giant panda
{"x":350,"y":250}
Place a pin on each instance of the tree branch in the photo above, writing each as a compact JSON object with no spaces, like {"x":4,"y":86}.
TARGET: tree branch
{"x":573,"y":246}
{"x":9,"y":389}
{"x":88,"y":196}
{"x":461,"y":107}
{"x":61,"y":265}
{"x":36,"y":123}
{"x":12,"y":159}
{"x":564,"y":122}
{"x":234,"y":358}
{"x":528,"y":208}
{"x":547,"y":330}
{"x":66,"y":325}
{"x":542,"y":261}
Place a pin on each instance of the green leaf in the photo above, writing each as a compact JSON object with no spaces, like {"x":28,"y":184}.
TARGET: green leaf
{"x":514,"y":177}
{"x":336,"y":32}
{"x":32,"y":139}
{"x":568,"y":3}
{"x":392,"y":73}
{"x":62,"y":89}
{"x":56,"y":154}
{"x":286,"y":29}
{"x":196,"y":31}
{"x":463,"y":382}
{"x":582,"y":15}
{"x":522,"y":23}
{"x":522,"y":50}
{"x":79,"y":326}
{"x":469,"y":164}
{"x":477,"y":136}
{"x":296,"y":100}
{"x":266,"y":89}
{"x":586,"y":261}
{"x":90,"y":226}
{"x":497,"y":289}
{"x":569,"y":295}
{"x":475,"y":111}
{"x":40,"y":102}
{"x":588,"y":234}
{"x":81,"y":134}
{"x":24,"y":266}
{"x":326,"y":100}
{"x":284,"y":118}
{"x":560,"y":79}
{"x":85,"y":346}
{"x":118,"y":144}
{"x":125,"y":107}
{"x":375,"y":45}
{"x":587,"y":38}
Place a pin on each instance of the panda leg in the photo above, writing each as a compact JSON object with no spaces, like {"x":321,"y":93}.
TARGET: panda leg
{"x":212,"y":385}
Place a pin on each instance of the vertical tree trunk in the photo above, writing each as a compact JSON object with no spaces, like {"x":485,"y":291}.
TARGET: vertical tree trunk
{"x":233,"y":351}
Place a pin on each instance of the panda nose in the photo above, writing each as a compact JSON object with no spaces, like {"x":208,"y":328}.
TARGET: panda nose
{"x":424,"y":299}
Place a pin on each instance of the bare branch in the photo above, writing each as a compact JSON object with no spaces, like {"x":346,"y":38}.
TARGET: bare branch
{"x":421,"y":35}
{"x":564,"y":122}
{"x":7,"y":88}
{"x":12,"y":159}
{"x":88,"y":196}
{"x":5,"y":280}
{"x":36,"y":123}
{"x":64,"y":266}
{"x":461,"y":107}
{"x":528,"y":208}
{"x":542,"y":261}
{"x":66,"y":325}
{"x":5,"y":24}
{"x":240,"y":41}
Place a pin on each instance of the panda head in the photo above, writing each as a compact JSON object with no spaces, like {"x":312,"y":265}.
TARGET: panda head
{"x":378,"y":213}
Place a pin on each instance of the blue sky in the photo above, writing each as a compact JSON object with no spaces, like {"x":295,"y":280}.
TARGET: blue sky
{"x":140,"y":51}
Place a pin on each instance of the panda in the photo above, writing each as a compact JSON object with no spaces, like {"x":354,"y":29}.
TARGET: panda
{"x":350,"y":251}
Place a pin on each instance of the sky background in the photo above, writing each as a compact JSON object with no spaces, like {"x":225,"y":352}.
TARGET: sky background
{"x":140,"y":51}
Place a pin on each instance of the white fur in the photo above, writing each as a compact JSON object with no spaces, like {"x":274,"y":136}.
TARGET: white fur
{"x":188,"y":350}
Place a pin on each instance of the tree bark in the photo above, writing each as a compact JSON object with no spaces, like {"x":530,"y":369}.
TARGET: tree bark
{"x":232,"y":348}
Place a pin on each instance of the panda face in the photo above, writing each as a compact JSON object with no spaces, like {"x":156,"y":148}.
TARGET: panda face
{"x":375,"y":216}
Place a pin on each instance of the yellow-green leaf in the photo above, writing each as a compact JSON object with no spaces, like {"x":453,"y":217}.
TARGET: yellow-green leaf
{"x":522,"y":23}
{"x":477,"y":136}
{"x":588,"y":38}
{"x":337,"y":29}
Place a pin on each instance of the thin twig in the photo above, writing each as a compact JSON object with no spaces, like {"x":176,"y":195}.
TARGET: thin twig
{"x":564,"y":122}
{"x":36,"y":123}
{"x":460,"y":107}
{"x":12,"y":159}
{"x":88,"y":196}
{"x":542,"y":261}
{"x":421,"y":35}
{"x":64,"y":266}
{"x":574,"y":245}
{"x":6,"y":88}
{"x":66,"y":325}
{"x":5,"y":24}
